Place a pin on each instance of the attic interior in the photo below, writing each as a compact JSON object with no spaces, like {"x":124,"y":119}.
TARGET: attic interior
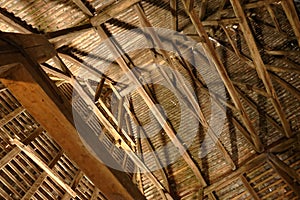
{"x":149,"y":99}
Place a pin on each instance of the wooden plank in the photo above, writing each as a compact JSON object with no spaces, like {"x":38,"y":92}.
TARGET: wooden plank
{"x":112,"y":11}
{"x":291,"y":13}
{"x":260,"y":67}
{"x":148,"y":100}
{"x":209,"y":49}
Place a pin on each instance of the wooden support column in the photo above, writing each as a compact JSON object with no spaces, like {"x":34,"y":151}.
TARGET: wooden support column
{"x":148,"y":100}
{"x":54,"y":113}
{"x":224,"y":76}
{"x":260,"y":67}
{"x":291,"y":13}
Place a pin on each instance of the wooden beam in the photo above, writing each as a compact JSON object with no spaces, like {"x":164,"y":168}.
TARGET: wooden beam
{"x":8,"y":157}
{"x":273,"y":16}
{"x":203,"y":7}
{"x":16,"y":23}
{"x":260,"y":67}
{"x":287,"y":179}
{"x":112,"y":11}
{"x":209,"y":49}
{"x":192,"y":102}
{"x":35,"y":186}
{"x":148,"y":100}
{"x":279,"y":80}
{"x":32,"y":155}
{"x":251,"y":164}
{"x":291,"y":13}
{"x":283,"y":166}
{"x":84,"y":9}
{"x":143,"y":134}
{"x":249,"y":187}
{"x":174,"y":14}
{"x":54,"y":113}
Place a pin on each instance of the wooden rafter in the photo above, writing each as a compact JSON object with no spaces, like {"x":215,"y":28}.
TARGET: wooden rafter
{"x":249,"y":187}
{"x":84,"y":9}
{"x":291,"y":13}
{"x":224,"y":76}
{"x":35,"y":186}
{"x":112,"y":11}
{"x":174,"y":7}
{"x":284,"y":171}
{"x":274,"y":76}
{"x":16,"y":22}
{"x":148,"y":100}
{"x":191,"y":103}
{"x":144,"y":135}
{"x":260,"y":66}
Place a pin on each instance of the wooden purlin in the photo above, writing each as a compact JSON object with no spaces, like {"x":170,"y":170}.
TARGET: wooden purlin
{"x":260,"y":66}
{"x":224,"y":76}
{"x":148,"y":100}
